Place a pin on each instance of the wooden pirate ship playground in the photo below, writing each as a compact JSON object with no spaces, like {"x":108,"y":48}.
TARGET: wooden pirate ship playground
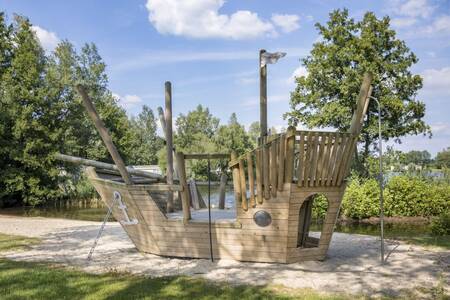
{"x":274,"y":188}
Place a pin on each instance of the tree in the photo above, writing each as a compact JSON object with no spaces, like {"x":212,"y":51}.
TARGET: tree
{"x":420,"y":158}
{"x":194,"y":126}
{"x":148,"y":142}
{"x":28,"y":173}
{"x":254,"y":131}
{"x":443,"y":158}
{"x":232,"y":137}
{"x":326,"y":96}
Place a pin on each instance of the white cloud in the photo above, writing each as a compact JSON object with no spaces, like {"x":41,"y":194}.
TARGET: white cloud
{"x":300,"y":71}
{"x":403,"y":22}
{"x":287,"y":23}
{"x":440,"y":26}
{"x":128,"y":101}
{"x":440,"y":128}
{"x":436,"y":80}
{"x":413,"y":8}
{"x":49,"y":40}
{"x":201,"y":19}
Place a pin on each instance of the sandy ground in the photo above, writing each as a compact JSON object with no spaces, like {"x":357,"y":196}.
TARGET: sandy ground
{"x":352,"y":266}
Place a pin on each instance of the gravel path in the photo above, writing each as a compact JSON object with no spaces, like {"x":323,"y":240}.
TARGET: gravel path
{"x":352,"y":265}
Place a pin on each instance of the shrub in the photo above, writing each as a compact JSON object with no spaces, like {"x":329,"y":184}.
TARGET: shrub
{"x":320,"y":206}
{"x":361,"y":199}
{"x":441,"y":225}
{"x":403,"y":196}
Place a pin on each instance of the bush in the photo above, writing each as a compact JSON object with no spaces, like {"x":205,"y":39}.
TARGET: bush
{"x":320,"y":206}
{"x":403,"y":196}
{"x":361,"y":199}
{"x":441,"y":225}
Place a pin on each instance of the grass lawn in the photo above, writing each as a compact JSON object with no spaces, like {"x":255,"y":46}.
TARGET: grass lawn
{"x":13,"y":242}
{"x":30,"y":280}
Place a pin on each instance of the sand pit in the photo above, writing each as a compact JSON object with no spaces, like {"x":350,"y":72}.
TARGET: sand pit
{"x":352,"y":265}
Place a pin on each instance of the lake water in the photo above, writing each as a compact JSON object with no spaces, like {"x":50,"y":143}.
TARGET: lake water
{"x":95,"y":211}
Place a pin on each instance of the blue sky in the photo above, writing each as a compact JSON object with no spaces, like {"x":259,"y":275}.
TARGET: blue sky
{"x":208,"y":49}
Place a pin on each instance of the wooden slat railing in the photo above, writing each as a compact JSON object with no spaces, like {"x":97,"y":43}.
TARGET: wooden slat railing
{"x":306,"y":158}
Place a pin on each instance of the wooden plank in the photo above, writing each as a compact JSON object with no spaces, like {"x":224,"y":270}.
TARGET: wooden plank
{"x":326,"y":157}
{"x":301,"y":163}
{"x":306,"y":169}
{"x":266,"y":170}
{"x":207,"y":156}
{"x":185,"y":196}
{"x":281,"y":156}
{"x":251,"y":179}
{"x":314,"y":160}
{"x":345,"y":160}
{"x":236,"y":179}
{"x":273,"y":168}
{"x":290,"y":144}
{"x":341,"y":149}
{"x":336,"y":141}
{"x":259,"y":190}
{"x":243,"y":185}
{"x":320,"y":158}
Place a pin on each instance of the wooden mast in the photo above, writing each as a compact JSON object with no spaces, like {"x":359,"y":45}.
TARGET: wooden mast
{"x":104,"y":134}
{"x":262,"y":96}
{"x":169,"y":141}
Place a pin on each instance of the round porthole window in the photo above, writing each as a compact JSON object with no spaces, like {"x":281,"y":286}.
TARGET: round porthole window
{"x":262,"y":218}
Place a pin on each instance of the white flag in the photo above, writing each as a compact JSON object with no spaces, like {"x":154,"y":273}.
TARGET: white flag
{"x":271,"y":58}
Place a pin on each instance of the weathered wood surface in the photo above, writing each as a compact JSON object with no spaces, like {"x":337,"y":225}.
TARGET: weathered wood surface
{"x":222,"y":190}
{"x":169,"y":141}
{"x":104,"y":133}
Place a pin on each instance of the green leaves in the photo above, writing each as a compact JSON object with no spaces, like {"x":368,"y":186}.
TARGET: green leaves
{"x":346,"y":49}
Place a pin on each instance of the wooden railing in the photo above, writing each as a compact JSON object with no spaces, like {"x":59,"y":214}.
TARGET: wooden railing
{"x":307,"y":158}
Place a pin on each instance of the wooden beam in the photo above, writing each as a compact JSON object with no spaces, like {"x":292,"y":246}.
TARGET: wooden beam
{"x":169,"y":141}
{"x":207,"y":156}
{"x":355,"y":126}
{"x":290,"y":144}
{"x":104,"y":134}
{"x":185,"y":195}
{"x":236,"y":179}
{"x":251,"y":179}
{"x":243,"y":185}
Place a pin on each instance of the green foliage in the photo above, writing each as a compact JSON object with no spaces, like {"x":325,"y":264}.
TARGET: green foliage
{"x":327,"y":95}
{"x":320,"y":206}
{"x":440,"y":226}
{"x":443,"y":158}
{"x":361,"y":199}
{"x":403,"y":196}
{"x":41,"y":114}
{"x":148,"y":142}
{"x":420,"y":158}
{"x":199,"y":132}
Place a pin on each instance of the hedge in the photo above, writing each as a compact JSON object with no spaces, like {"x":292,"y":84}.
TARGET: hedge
{"x":404,"y":196}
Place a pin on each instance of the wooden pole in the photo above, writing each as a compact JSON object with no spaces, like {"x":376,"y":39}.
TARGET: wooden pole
{"x":104,"y":134}
{"x":169,"y":141}
{"x":101,"y":165}
{"x":185,"y":195}
{"x":262,"y":95}
{"x":236,"y":179}
{"x":222,"y":190}
{"x":355,"y":127}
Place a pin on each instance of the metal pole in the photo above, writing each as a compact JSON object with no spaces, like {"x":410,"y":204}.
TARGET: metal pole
{"x":209,"y":210}
{"x":380,"y":154}
{"x":169,"y":141}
